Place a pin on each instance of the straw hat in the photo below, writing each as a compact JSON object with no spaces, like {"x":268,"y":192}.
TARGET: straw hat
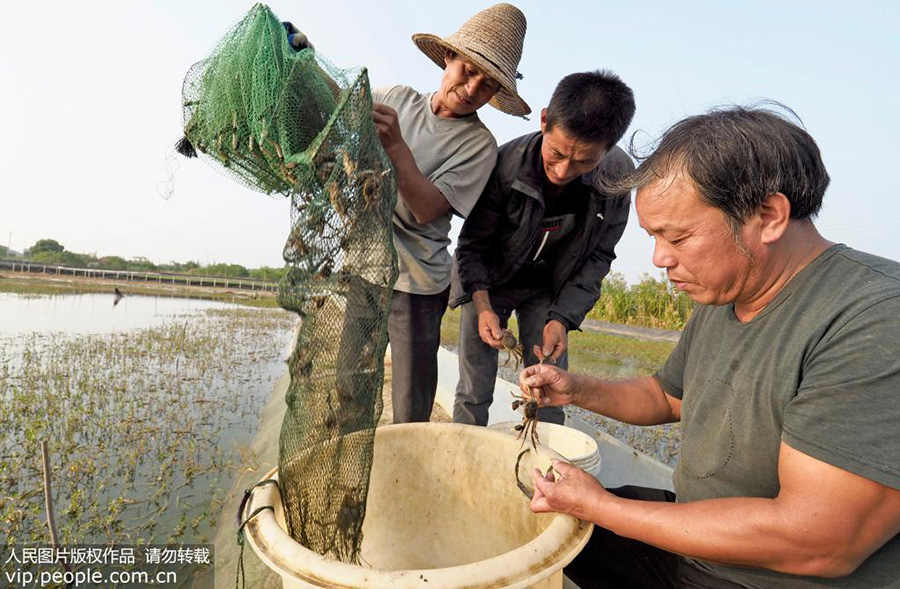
{"x":492,"y":40}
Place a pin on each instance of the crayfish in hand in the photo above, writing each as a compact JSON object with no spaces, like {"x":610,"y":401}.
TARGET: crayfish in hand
{"x":528,"y":428}
{"x":513,"y":348}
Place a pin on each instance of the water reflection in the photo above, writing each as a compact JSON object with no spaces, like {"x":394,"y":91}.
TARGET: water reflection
{"x":92,"y":313}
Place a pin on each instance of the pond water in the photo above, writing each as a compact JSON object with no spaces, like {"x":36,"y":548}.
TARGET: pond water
{"x":148,"y":407}
{"x":92,"y":313}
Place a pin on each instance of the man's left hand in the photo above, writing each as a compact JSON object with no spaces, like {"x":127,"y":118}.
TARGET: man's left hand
{"x":556,"y":342}
{"x":566,"y":489}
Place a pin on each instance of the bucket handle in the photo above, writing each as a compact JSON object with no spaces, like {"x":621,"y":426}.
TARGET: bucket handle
{"x":240,"y":580}
{"x":239,"y":521}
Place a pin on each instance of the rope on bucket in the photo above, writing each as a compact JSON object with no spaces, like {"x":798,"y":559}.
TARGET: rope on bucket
{"x":522,"y":487}
{"x":529,"y":493}
{"x":240,"y":579}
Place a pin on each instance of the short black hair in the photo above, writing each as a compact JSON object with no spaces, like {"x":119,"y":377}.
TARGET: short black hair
{"x":737,"y":156}
{"x":595,"y":107}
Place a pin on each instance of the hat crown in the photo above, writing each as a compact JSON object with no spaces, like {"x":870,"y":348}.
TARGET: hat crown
{"x":496,"y":34}
{"x":492,"y":40}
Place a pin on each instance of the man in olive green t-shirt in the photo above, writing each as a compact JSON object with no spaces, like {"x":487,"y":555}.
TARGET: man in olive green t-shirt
{"x":785,"y":381}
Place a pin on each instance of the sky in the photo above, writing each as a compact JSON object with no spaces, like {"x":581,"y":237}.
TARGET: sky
{"x":92,"y":106}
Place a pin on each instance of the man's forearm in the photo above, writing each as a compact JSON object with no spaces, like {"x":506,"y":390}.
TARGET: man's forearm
{"x":739,"y":531}
{"x":482,"y":301}
{"x":420,"y":195}
{"x":638,"y":401}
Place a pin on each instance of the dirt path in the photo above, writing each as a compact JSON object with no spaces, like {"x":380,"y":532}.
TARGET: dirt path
{"x":644,"y":333}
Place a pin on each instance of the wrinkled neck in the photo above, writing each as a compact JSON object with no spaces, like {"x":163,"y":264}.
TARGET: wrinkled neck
{"x":800,"y":245}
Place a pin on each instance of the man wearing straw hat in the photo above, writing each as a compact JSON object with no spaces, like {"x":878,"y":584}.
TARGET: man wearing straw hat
{"x":443,"y":156}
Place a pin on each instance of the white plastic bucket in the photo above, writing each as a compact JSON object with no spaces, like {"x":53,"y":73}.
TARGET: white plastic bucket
{"x":443,"y":511}
{"x":576,"y":447}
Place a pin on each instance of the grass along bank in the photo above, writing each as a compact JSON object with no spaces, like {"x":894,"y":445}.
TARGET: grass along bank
{"x":590,"y":352}
{"x":604,"y":356}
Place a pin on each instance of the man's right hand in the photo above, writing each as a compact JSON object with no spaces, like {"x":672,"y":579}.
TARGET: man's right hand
{"x":548,"y":385}
{"x":488,"y":321}
{"x":489,"y":329}
{"x":387,"y":124}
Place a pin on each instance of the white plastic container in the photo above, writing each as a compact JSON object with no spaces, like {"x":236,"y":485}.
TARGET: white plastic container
{"x":443,"y":511}
{"x":576,"y":447}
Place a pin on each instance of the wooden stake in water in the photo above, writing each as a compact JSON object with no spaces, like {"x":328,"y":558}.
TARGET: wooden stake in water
{"x":48,"y":501}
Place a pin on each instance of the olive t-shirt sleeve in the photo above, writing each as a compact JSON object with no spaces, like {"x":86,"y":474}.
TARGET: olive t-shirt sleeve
{"x":847,"y":408}
{"x":671,"y":375}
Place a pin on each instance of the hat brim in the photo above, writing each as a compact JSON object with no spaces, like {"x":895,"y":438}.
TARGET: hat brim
{"x":506,"y":99}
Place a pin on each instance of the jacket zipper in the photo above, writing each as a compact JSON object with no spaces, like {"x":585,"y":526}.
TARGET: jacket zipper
{"x":543,"y":243}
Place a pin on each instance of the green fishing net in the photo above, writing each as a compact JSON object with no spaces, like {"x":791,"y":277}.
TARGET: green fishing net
{"x":287,"y":122}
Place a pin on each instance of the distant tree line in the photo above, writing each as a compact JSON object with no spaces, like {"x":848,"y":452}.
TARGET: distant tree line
{"x":50,"y":251}
{"x":650,"y":303}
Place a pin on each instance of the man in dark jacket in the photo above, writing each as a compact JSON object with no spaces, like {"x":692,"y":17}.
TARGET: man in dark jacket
{"x":542,"y":236}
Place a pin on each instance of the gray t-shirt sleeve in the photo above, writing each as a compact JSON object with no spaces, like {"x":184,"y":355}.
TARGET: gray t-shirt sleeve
{"x":847,"y":409}
{"x":462,"y":178}
{"x":380,"y":93}
{"x":463,"y":171}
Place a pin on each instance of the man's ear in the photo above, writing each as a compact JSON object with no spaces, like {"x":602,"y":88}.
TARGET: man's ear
{"x":774,"y":215}
{"x":543,"y":120}
{"x":448,"y":57}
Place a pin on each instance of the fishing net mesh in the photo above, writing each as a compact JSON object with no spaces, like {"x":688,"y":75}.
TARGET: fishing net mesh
{"x":287,"y":122}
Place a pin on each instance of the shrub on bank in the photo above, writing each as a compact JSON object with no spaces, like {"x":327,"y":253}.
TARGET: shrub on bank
{"x":62,"y":259}
{"x":649,"y":303}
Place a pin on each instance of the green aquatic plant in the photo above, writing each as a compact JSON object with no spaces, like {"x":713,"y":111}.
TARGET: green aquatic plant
{"x":144,"y":426}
